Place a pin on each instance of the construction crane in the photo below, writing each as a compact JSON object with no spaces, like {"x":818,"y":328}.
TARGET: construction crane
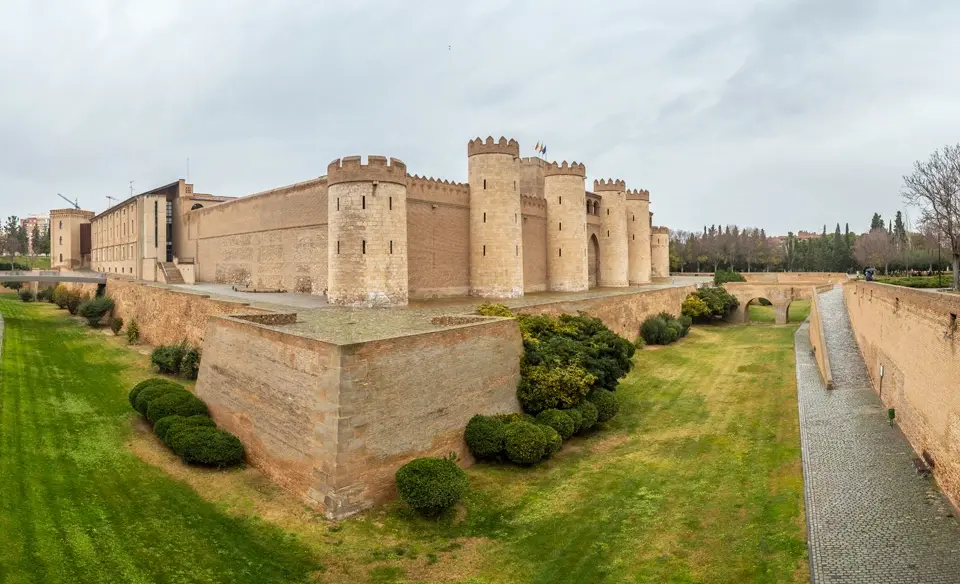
{"x":73,"y":203}
{"x":111,"y":201}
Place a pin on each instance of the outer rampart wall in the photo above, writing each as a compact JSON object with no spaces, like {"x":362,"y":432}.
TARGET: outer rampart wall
{"x":438,"y":238}
{"x":795,"y":277}
{"x":533,"y":211}
{"x":913,"y":336}
{"x":819,"y":342}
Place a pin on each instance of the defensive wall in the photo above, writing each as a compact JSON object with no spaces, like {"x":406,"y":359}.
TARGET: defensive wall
{"x":795,"y":277}
{"x":818,"y":342}
{"x":910,"y":343}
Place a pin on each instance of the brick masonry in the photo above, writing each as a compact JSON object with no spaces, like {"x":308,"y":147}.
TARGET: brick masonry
{"x":913,"y":335}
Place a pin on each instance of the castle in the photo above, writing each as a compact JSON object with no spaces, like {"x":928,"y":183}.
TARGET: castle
{"x":370,"y":234}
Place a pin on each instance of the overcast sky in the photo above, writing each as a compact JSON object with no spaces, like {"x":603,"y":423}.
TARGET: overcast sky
{"x":782,"y":114}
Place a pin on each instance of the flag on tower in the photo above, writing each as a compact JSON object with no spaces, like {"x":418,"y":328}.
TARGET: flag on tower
{"x":537,"y":147}
{"x":543,"y":150}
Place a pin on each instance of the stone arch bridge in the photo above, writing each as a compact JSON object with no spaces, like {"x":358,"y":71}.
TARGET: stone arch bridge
{"x":780,"y":295}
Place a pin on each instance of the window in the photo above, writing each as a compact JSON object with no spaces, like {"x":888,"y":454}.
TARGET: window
{"x":484,"y":184}
{"x":61,"y":255}
{"x":634,"y":217}
{"x":608,"y":211}
{"x":338,"y":203}
{"x":608,"y":233}
{"x":364,"y":246}
{"x":391,"y":246}
{"x":634,"y":236}
{"x":484,"y":217}
{"x":363,"y":202}
{"x":561,"y":227}
{"x":61,"y":240}
{"x":390,"y":203}
{"x":338,"y":247}
{"x":156,"y":236}
{"x":484,"y":250}
{"x":561,"y":252}
{"x":518,"y":250}
{"x":61,"y":227}
{"x":559,"y":200}
{"x":514,"y":217}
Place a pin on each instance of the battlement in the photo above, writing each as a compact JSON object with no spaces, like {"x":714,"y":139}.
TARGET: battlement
{"x":566,"y":169}
{"x":660,"y":230}
{"x":377,"y":168}
{"x":503,"y":146}
{"x":436,"y":190}
{"x":609,"y":185}
{"x":638,"y":195}
{"x":533,"y":201}
{"x":72,"y":213}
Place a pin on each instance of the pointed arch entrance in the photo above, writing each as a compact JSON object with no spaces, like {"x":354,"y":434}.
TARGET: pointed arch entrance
{"x":593,"y":260}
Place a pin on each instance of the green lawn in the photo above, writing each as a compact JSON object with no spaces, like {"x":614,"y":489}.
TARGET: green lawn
{"x":35,"y":262}
{"x":799,"y":311}
{"x":697,"y":480}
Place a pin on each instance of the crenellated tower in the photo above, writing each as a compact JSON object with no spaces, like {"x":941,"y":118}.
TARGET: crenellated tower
{"x":566,"y":198}
{"x":367,"y":243}
{"x":613,"y":233}
{"x":496,"y":249}
{"x":638,"y":237}
{"x":660,"y":248}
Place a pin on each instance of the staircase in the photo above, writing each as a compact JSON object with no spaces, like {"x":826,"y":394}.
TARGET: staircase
{"x":172,"y":273}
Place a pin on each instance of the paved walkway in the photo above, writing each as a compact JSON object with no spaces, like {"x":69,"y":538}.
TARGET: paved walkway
{"x":870,"y":517}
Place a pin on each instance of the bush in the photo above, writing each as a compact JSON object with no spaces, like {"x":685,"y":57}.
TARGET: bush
{"x":168,"y":358}
{"x":74,"y":299}
{"x":719,"y":301}
{"x":13,"y":285}
{"x":558,"y":420}
{"x":485,"y":437}
{"x":589,"y":413}
{"x":140,"y":387}
{"x":133,"y":332}
{"x":676,"y":330}
{"x":26,"y":295}
{"x":116,"y":323}
{"x":606,"y":403}
{"x":158,"y":388}
{"x":206,"y":446}
{"x":431,"y":485}
{"x":489,"y":309}
{"x":723,"y":276}
{"x":525,"y":443}
{"x":60,"y":296}
{"x":95,"y":309}
{"x":685,"y":322}
{"x":190,"y":365}
{"x":576,"y":417}
{"x":167,"y":428}
{"x":176,"y":403}
{"x":543,"y":387}
{"x":553,"y":441}
{"x":654,"y":331}
{"x":516,"y":417}
{"x":694,"y":307}
{"x":44,"y":294}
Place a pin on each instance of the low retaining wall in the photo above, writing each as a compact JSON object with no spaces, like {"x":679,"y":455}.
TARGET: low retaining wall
{"x":912,"y":337}
{"x":819,"y":343}
{"x":334,"y":423}
{"x":796,"y":277}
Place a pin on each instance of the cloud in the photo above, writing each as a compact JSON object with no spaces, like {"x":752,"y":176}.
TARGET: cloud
{"x":785,"y":115}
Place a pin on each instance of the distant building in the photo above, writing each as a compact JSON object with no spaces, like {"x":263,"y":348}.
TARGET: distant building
{"x":38,"y":220}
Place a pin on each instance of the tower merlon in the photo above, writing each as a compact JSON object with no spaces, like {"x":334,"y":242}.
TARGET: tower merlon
{"x":661,"y":230}
{"x":503,"y":146}
{"x":377,"y":168}
{"x":609,"y":185}
{"x":569,"y":169}
{"x":638,"y":195}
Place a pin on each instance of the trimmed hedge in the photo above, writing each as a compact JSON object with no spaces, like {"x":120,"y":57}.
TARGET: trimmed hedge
{"x":176,"y":403}
{"x":26,"y":295}
{"x":553,"y":441}
{"x":524,"y":443}
{"x":545,"y":387}
{"x":167,"y":428}
{"x":431,"y":485}
{"x":558,"y":420}
{"x":606,"y":403}
{"x":590,"y":415}
{"x":158,"y":388}
{"x":206,"y":446}
{"x":94,"y":309}
{"x":485,"y":437}
{"x":576,"y":417}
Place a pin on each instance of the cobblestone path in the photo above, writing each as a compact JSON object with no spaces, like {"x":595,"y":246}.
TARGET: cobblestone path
{"x":870,"y":517}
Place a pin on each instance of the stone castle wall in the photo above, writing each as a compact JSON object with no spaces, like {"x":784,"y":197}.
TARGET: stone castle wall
{"x":566,"y":248}
{"x":614,"y":252}
{"x":533,"y":225}
{"x":638,"y":237}
{"x":660,"y":252}
{"x":438,"y":238}
{"x":913,"y":336}
{"x":819,"y":343}
{"x":796,"y":277}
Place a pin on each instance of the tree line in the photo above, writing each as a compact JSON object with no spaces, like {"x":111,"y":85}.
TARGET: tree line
{"x":14,"y":239}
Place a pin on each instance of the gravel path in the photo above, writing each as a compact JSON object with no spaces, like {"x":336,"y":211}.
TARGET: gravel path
{"x":870,"y":517}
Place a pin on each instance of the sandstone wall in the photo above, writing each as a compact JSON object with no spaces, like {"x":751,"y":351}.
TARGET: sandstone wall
{"x":819,"y":343}
{"x":278,"y":393}
{"x":167,"y":316}
{"x":274,"y":239}
{"x":566,"y":246}
{"x":623,"y":313}
{"x":438,"y":238}
{"x":913,"y":335}
{"x":534,"y":249}
{"x":795,"y":277}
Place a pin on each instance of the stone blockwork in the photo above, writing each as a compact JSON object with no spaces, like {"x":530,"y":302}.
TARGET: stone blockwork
{"x":638,"y":237}
{"x":333,"y":423}
{"x":796,"y":277}
{"x":438,"y":238}
{"x":660,"y":252}
{"x":566,"y":248}
{"x":912,"y":336}
{"x":614,"y":252}
{"x":780,"y":295}
{"x":818,"y":341}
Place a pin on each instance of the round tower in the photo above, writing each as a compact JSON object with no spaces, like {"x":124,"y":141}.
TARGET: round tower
{"x":660,"y":251}
{"x":638,"y":236}
{"x":566,"y":227}
{"x":613,"y":233}
{"x":367,"y":242}
{"x":496,"y":249}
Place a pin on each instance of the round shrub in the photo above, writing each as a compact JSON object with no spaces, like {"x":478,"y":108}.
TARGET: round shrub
{"x":167,"y":428}
{"x":484,"y":436}
{"x":686,"y":322}
{"x":576,"y":417}
{"x":516,"y":417}
{"x":589,"y":413}
{"x":431,"y":485}
{"x":652,"y":330}
{"x":176,"y":403}
{"x":606,"y":402}
{"x":116,"y":323}
{"x":26,"y":295}
{"x":525,"y":443}
{"x":677,"y":328}
{"x":558,"y":420}
{"x":156,"y":389}
{"x":553,"y":440}
{"x":206,"y":446}
{"x":140,"y":387}
{"x":543,"y":387}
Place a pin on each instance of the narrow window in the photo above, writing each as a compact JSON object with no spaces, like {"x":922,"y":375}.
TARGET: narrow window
{"x":484,"y":250}
{"x":391,"y":246}
{"x":338,"y":247}
{"x":514,"y":185}
{"x":634,"y":236}
{"x":390,"y":202}
{"x":559,"y":200}
{"x":608,"y":233}
{"x":363,"y":248}
{"x":514,"y":217}
{"x":518,"y":250}
{"x":608,"y":211}
{"x":338,"y":203}
{"x":363,"y":202}
{"x":484,"y":184}
{"x":634,"y":217}
{"x":953,"y":321}
{"x":561,"y":227}
{"x":561,"y":252}
{"x":484,"y":217}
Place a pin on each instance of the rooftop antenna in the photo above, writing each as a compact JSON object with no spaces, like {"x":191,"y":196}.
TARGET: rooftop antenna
{"x":73,"y":203}
{"x":131,"y":189}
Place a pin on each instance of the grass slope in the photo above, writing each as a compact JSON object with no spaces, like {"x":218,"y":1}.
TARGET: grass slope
{"x":76,"y":505}
{"x":697,"y":480}
{"x":799,"y":311}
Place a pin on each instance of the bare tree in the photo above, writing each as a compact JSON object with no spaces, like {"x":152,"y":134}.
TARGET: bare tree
{"x":875,"y":249}
{"x":934,"y":187}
